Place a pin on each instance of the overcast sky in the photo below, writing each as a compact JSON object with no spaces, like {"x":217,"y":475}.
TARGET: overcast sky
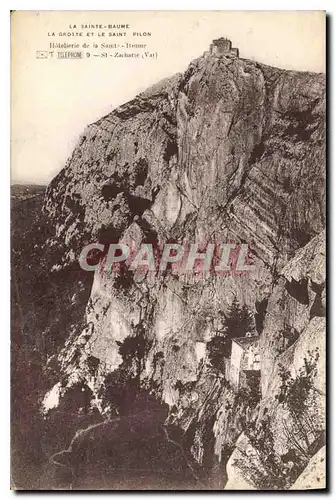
{"x":53,"y":100}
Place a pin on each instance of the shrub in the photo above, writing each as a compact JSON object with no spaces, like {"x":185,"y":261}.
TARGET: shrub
{"x":134,"y":349}
{"x":266,"y":469}
{"x":295,"y":395}
{"x":237,"y":323}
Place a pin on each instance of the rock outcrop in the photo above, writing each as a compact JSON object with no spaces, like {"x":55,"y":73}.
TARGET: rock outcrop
{"x":230,"y":150}
{"x":314,"y":475}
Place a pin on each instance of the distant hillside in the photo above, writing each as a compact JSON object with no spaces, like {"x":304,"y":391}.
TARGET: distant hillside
{"x":20,"y":192}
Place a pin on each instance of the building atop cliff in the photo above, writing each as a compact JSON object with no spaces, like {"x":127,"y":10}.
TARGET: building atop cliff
{"x":244,"y":361}
{"x":223,"y":47}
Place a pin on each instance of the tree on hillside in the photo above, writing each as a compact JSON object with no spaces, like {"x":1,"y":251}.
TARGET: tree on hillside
{"x":239,"y":320}
{"x":122,"y":388}
{"x":134,"y":350}
{"x":237,"y":323}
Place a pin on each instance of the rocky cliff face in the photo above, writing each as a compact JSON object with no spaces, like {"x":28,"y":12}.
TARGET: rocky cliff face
{"x":231,"y":150}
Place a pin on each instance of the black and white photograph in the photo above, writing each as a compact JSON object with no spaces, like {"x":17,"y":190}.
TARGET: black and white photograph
{"x":168,"y":234}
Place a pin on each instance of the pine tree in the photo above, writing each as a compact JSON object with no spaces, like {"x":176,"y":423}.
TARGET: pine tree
{"x":218,"y":348}
{"x":237,"y":323}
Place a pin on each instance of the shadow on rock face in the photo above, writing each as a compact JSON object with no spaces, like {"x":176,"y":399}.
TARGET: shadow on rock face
{"x":128,"y":453}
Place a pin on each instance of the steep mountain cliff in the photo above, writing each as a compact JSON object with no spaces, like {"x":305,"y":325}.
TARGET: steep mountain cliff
{"x":229,"y":151}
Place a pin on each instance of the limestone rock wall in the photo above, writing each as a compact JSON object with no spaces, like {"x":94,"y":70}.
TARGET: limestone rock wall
{"x":229,"y":150}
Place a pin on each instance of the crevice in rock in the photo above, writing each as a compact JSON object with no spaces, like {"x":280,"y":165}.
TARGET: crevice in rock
{"x":259,"y":317}
{"x":298,"y":290}
{"x":110,"y":191}
{"x":317,"y":308}
{"x":256,"y":153}
{"x":171,"y":150}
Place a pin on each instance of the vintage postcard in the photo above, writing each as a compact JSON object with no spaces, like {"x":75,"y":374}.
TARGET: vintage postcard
{"x":168,"y":300}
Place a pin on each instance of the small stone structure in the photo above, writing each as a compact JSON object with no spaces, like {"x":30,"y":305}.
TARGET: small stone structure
{"x":223,"y":47}
{"x":245,"y":360}
{"x":234,"y":52}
